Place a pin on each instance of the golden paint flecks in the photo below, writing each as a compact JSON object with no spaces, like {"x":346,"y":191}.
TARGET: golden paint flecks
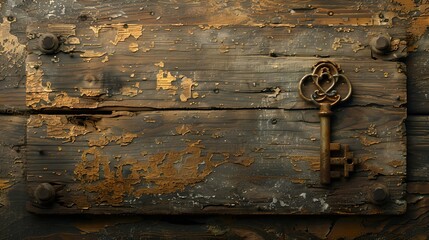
{"x":123,"y":31}
{"x":187,"y":86}
{"x":164,"y":81}
{"x":104,"y":140}
{"x":92,"y":54}
{"x":133,"y":47}
{"x":355,"y":44}
{"x":131,"y":91}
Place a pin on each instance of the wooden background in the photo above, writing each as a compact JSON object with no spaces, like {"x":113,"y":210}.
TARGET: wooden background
{"x":402,"y":19}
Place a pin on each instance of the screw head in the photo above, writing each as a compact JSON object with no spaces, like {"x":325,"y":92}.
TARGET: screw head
{"x":382,"y":43}
{"x":379,"y":194}
{"x":44,"y":193}
{"x":48,"y":43}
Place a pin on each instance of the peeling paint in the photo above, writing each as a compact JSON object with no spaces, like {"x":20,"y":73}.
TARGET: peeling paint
{"x":160,"y":173}
{"x":58,"y":127}
{"x":160,"y":64}
{"x":10,"y":46}
{"x":338,"y":43}
{"x":133,"y":47}
{"x":368,"y":141}
{"x":183,"y":129}
{"x":187,"y":86}
{"x":131,"y":91}
{"x":36,"y":92}
{"x":91,"y":92}
{"x":92,"y":54}
{"x":123,"y":31}
{"x":164,"y":81}
{"x":313,"y":161}
{"x":104,"y":140}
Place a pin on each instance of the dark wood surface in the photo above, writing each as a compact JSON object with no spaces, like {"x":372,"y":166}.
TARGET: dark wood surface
{"x":242,"y":161}
{"x":16,"y":223}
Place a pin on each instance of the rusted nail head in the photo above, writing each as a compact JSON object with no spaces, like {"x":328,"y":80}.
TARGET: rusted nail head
{"x":379,"y":194}
{"x":48,"y":43}
{"x":382,"y":43}
{"x":45,"y":193}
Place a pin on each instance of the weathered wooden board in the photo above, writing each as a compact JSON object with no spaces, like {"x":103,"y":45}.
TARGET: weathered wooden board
{"x":18,"y":224}
{"x":242,"y":161}
{"x":121,"y":66}
{"x":247,"y":12}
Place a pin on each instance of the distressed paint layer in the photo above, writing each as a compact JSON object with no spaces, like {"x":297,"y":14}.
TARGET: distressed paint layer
{"x":187,"y":86}
{"x":123,"y":31}
{"x":161,"y":173}
{"x":58,"y":127}
{"x":164,"y":81}
{"x":10,"y":46}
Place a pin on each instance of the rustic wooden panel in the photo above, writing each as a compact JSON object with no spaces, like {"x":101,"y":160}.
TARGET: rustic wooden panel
{"x":198,"y":75}
{"x":247,"y":161}
{"x":21,"y":224}
{"x":17,"y":224}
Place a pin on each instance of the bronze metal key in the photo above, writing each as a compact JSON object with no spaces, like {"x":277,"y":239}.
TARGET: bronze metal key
{"x":323,"y":88}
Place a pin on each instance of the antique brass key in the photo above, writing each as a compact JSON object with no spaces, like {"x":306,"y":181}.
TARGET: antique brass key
{"x":323,"y":89}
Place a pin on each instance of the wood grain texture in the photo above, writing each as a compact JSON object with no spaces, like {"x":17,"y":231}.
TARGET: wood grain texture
{"x":418,"y":157}
{"x":418,"y":83}
{"x":12,"y":57}
{"x":12,"y":161}
{"x":16,"y":223}
{"x":248,"y":161}
{"x":197,"y":75}
{"x":19,"y":224}
{"x":247,"y":12}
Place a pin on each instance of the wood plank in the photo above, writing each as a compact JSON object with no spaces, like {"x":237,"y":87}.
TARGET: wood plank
{"x":22,"y":224}
{"x":230,"y":40}
{"x":211,"y":12}
{"x":196,"y":75}
{"x":243,"y":161}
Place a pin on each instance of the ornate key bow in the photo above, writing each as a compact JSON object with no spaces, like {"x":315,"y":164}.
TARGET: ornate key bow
{"x":325,"y":77}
